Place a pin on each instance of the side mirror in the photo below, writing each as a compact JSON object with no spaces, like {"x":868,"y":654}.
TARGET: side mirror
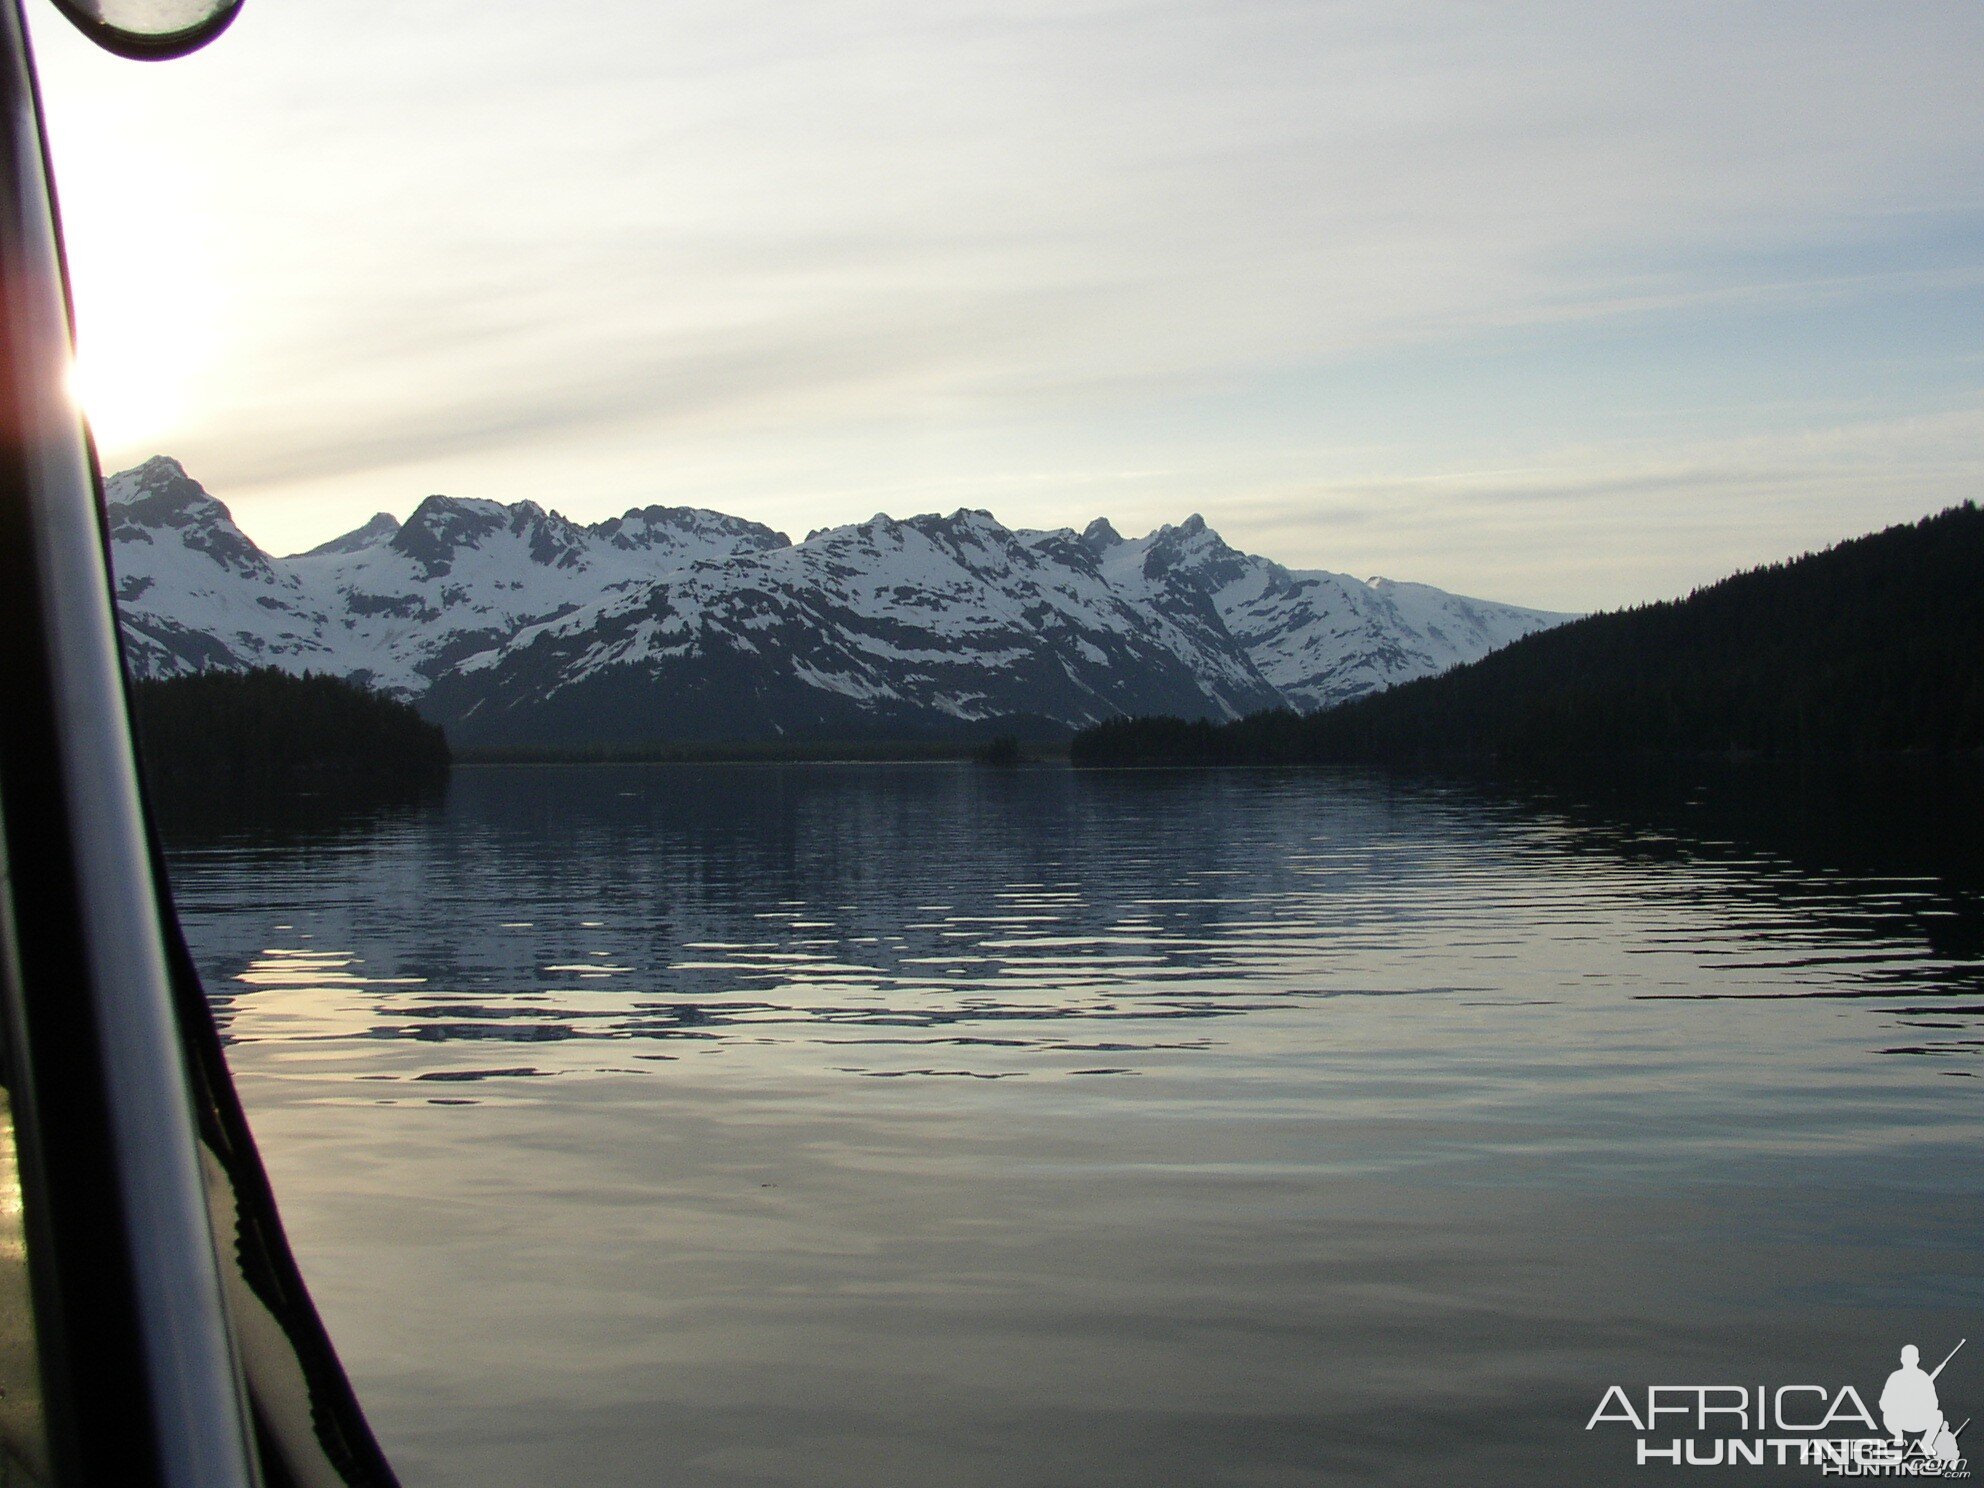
{"x":150,"y":30}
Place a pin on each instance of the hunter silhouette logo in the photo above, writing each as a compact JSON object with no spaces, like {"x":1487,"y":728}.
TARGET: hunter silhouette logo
{"x":1910,"y":1407}
{"x":1826,"y":1426}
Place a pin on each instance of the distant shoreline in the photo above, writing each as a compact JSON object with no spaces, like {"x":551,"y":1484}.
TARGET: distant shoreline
{"x":795,"y":752}
{"x":958,"y":754}
{"x":1867,"y":650}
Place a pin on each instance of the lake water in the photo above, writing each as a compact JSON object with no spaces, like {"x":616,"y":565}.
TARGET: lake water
{"x":926,"y":1124}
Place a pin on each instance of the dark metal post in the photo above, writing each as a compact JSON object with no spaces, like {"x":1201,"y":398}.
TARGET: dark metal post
{"x":138,"y":1364}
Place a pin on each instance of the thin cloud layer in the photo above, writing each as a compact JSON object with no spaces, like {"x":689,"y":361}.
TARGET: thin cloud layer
{"x":801,"y":261}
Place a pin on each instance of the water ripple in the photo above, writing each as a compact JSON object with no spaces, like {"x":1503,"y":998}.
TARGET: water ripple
{"x":737,"y":921}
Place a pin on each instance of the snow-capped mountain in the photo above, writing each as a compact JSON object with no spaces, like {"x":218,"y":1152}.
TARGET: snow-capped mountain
{"x":392,"y":604}
{"x":512,"y":625}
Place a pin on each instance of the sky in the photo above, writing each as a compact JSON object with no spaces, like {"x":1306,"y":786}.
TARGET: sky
{"x":1572,"y":305}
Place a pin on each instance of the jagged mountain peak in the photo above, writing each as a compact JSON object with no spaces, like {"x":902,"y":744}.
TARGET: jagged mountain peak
{"x":380,"y":529}
{"x":159,"y":473}
{"x":437,"y":510}
{"x":1194,"y":553}
{"x":1101,"y":535}
{"x":513,"y":622}
{"x":651,"y":527}
{"x":965,"y":525}
{"x":162,"y":483}
{"x":159,"y":497}
{"x":1192,"y":533}
{"x":442,"y":527}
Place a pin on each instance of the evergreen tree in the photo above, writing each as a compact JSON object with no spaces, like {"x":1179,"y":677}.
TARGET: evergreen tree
{"x":266,"y":731}
{"x":1873,"y":646}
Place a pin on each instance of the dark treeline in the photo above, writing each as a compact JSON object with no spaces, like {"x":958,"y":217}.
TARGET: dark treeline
{"x":265,"y":732}
{"x":1874,"y":646}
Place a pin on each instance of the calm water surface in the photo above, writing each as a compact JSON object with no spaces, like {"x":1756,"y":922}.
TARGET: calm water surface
{"x":913,"y":1125}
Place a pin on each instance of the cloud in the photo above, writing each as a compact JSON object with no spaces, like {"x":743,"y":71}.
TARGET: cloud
{"x":838,"y":242}
{"x":1598,"y":526}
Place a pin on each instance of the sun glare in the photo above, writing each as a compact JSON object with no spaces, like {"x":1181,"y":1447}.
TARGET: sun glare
{"x":147,"y":309}
{"x":145,"y":340}
{"x":128,"y":400}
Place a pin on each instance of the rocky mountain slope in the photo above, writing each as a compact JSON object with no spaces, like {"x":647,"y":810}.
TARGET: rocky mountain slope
{"x":512,"y":625}
{"x":1868,"y":649}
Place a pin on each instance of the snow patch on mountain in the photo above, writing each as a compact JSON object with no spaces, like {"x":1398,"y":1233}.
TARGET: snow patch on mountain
{"x":513,"y":623}
{"x":381,"y":529}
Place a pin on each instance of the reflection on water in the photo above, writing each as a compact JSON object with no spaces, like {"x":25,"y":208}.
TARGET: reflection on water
{"x":940,"y":909}
{"x":901,"y":1124}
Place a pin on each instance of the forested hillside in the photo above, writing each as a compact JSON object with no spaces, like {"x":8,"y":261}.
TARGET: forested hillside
{"x":258,"y":731}
{"x":1873,"y":646}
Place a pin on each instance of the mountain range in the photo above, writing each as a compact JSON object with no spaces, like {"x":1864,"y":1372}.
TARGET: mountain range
{"x":1872,"y":647}
{"x":513,"y":626}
